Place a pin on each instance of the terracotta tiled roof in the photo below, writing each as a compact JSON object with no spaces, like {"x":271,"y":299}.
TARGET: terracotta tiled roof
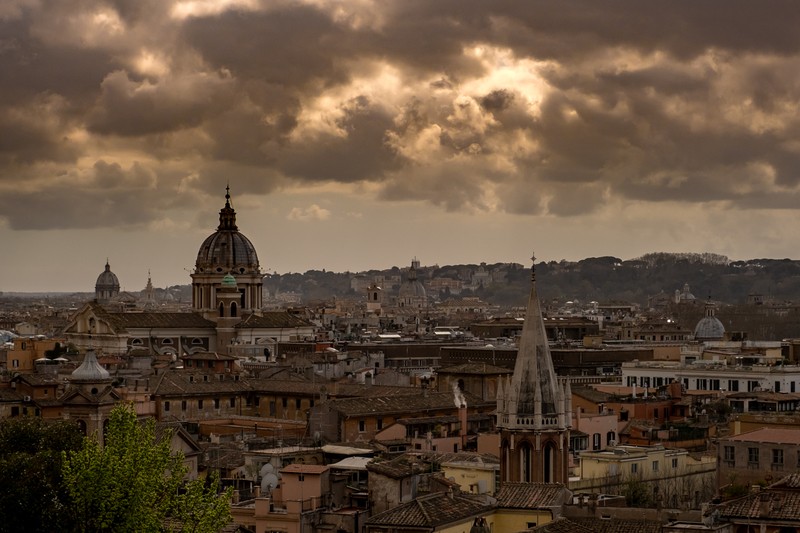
{"x":792,"y":481}
{"x":465,"y":457}
{"x":274,"y":319}
{"x":591,"y":394}
{"x":399,"y":467}
{"x":615,"y":525}
{"x":766,"y":396}
{"x":767,"y":504}
{"x":305,"y":469}
{"x":10,"y":395}
{"x":563,"y":525}
{"x":531,"y":495}
{"x":210,"y":356}
{"x":769,"y":435}
{"x":413,"y":403}
{"x":180,"y":383}
{"x":158,"y":320}
{"x":474,"y":368}
{"x":433,"y":511}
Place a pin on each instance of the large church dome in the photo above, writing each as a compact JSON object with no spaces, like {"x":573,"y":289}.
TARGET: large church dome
{"x":227,"y":250}
{"x":107,"y":285}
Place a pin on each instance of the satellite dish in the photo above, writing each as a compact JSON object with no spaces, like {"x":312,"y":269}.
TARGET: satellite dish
{"x":269,"y":482}
{"x":266,"y":469}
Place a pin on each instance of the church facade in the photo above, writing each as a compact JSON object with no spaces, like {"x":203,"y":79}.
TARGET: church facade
{"x":226,"y":307}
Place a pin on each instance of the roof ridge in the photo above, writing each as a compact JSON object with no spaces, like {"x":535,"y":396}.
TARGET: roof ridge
{"x":418,"y":501}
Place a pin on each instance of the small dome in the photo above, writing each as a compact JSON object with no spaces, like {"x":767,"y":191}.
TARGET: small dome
{"x":107,"y":280}
{"x":709,"y":328}
{"x":90,"y":369}
{"x":412,"y":289}
{"x":229,"y":281}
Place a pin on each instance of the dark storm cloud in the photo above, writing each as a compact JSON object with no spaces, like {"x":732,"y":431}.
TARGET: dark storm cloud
{"x":103,"y":200}
{"x":433,"y":101}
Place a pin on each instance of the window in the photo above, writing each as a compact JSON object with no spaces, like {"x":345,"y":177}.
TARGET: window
{"x":752,"y":385}
{"x":232,"y":401}
{"x":199,"y":404}
{"x":297,"y":403}
{"x":216,"y":403}
{"x":379,"y":423}
{"x":733,"y":385}
{"x":611,"y":438}
{"x":197,"y":341}
{"x":634,"y":468}
{"x":777,"y":456}
{"x":166,"y":341}
{"x":730,"y":455}
{"x":183,"y":405}
{"x":285,"y":402}
{"x":655,"y":466}
{"x":596,"y":441}
{"x":674,"y":463}
{"x":752,"y":455}
{"x":362,"y":426}
{"x":166,"y":406}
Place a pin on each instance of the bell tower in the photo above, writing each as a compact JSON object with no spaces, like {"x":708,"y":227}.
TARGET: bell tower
{"x":534,"y":409}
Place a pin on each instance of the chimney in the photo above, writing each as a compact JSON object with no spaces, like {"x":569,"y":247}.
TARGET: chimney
{"x":462,"y":418}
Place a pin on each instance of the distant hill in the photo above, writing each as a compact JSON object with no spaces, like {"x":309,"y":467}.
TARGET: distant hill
{"x":601,"y":279}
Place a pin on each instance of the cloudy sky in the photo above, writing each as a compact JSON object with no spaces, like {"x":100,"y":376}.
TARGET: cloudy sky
{"x":359,"y":134}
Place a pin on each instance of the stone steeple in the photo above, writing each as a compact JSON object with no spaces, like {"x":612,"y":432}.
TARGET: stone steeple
{"x":534,"y":408}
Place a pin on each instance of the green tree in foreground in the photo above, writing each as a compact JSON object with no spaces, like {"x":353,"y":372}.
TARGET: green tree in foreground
{"x":33,"y":497}
{"x":133,"y":482}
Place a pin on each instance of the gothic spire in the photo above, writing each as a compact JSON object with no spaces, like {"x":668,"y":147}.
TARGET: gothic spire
{"x":534,"y":398}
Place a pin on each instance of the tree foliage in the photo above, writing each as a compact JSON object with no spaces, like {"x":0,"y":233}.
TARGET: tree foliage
{"x":33,"y":498}
{"x":133,"y":482}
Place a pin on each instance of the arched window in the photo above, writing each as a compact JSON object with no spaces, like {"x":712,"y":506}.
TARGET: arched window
{"x":82,"y":427}
{"x":137,"y":342}
{"x":611,"y":438}
{"x":525,"y":459}
{"x":549,"y":463}
{"x":166,"y":341}
{"x":596,"y":441}
{"x":221,"y":309}
{"x":233,"y":308}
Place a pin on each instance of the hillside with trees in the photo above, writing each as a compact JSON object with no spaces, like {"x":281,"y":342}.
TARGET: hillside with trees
{"x":601,"y":279}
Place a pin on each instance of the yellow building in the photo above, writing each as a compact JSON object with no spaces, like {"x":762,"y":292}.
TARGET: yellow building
{"x":27,"y":350}
{"x":475,"y":473}
{"x":521,"y":506}
{"x":670,"y":476}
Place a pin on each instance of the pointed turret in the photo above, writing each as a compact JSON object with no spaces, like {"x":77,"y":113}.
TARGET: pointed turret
{"x":536,"y":395}
{"x":501,"y":398}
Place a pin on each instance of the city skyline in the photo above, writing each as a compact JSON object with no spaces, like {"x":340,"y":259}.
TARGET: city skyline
{"x":358,"y":135}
